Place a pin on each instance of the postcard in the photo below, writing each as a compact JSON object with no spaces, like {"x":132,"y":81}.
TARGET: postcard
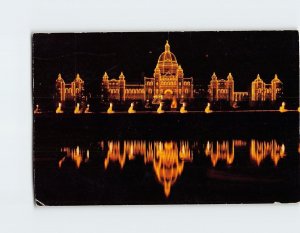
{"x":166,"y":117}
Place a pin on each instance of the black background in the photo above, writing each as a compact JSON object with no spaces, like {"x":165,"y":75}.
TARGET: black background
{"x":245,"y":54}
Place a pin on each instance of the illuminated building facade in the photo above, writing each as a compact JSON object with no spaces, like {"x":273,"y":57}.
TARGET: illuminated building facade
{"x":221,"y":89}
{"x":117,"y":89}
{"x":260,"y":91}
{"x":168,"y":81}
{"x":69,"y":91}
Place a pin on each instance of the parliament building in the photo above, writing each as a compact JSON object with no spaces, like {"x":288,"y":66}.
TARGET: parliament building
{"x":168,"y":82}
{"x":69,"y":91}
{"x":261,"y":91}
{"x":223,"y":90}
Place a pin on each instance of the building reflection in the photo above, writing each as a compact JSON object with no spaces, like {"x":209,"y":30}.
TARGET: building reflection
{"x":76,"y":155}
{"x":222,"y":150}
{"x":167,"y":158}
{"x":119,"y":152}
{"x":168,"y":162}
{"x":260,"y":150}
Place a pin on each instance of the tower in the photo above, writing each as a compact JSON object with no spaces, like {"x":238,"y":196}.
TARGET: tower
{"x":122,"y":86}
{"x":156,"y":76}
{"x":230,"y":87}
{"x":105,"y":81}
{"x":276,"y":88}
{"x":179,"y":75}
{"x":213,"y":88}
{"x":258,"y":89}
{"x":60,"y":88}
{"x":77,"y":88}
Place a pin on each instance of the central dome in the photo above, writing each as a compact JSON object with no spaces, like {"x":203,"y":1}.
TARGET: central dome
{"x":167,"y":55}
{"x":167,"y":62}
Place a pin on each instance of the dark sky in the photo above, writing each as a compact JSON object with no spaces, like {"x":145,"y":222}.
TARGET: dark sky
{"x":244,"y":54}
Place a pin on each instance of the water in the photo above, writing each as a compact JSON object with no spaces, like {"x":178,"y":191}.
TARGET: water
{"x":204,"y":163}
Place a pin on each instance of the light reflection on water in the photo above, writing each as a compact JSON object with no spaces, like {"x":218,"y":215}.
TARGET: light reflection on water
{"x":260,"y":150}
{"x":77,"y":155}
{"x":169,"y":157}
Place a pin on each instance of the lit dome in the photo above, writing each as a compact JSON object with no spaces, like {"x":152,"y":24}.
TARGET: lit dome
{"x":167,"y":61}
{"x":167,"y":55}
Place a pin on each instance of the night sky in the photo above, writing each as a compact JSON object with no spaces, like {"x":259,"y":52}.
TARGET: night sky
{"x":244,"y":54}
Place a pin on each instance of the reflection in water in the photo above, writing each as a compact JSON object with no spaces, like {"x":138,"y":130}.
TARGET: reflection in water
{"x":169,"y":161}
{"x":129,"y":149}
{"x":222,"y":150}
{"x":76,"y":155}
{"x":167,"y":158}
{"x":259,"y":150}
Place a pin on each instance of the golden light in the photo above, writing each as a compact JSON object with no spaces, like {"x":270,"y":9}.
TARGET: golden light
{"x":110,"y":109}
{"x":159,"y":109}
{"x":59,"y":109}
{"x":174,"y":103}
{"x":77,"y":109}
{"x":76,"y":155}
{"x":169,"y":162}
{"x":182,"y":109}
{"x":166,"y":157}
{"x":87,"y":110}
{"x":207,"y":108}
{"x":114,"y":154}
{"x":260,"y":150}
{"x":131,"y":108}
{"x":220,"y":151}
{"x":167,"y":81}
{"x":282,"y":107}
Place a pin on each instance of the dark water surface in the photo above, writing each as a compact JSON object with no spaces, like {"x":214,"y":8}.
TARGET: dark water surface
{"x":168,"y":158}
